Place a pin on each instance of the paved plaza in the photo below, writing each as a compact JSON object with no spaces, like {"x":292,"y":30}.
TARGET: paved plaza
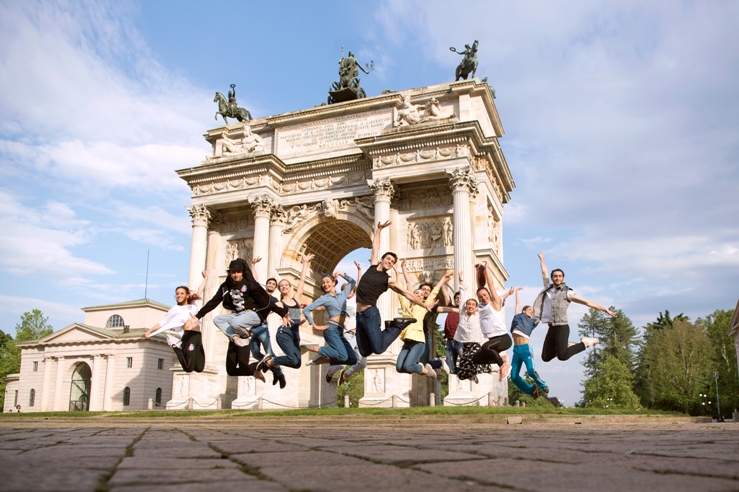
{"x":358,"y":454}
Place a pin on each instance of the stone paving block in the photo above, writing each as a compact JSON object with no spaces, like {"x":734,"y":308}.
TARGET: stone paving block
{"x":558,"y":477}
{"x":240,"y":485}
{"x":252,"y":446}
{"x":297,"y":458}
{"x":77,"y":451}
{"x":397,"y":454}
{"x":50,"y":480}
{"x":187,"y":450}
{"x":166,"y":476}
{"x":176,"y":463}
{"x":58,"y":461}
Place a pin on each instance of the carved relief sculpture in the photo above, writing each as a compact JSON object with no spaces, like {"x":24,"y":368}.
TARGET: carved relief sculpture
{"x":430,"y":233}
{"x":424,"y":198}
{"x":239,"y":248}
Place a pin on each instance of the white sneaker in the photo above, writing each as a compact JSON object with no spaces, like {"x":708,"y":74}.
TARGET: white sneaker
{"x":445,"y":367}
{"x":589,"y":342}
{"x":241,"y":342}
{"x":316,"y":361}
{"x":431,"y":373}
{"x":306,"y":345}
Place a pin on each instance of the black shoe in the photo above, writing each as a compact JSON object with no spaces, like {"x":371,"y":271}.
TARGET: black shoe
{"x":275,"y":379}
{"x":403,"y":322}
{"x":282,"y":381}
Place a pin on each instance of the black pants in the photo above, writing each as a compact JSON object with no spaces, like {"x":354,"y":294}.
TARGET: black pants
{"x":191,"y":360}
{"x":237,"y":361}
{"x":556,"y":344}
{"x":490,"y":351}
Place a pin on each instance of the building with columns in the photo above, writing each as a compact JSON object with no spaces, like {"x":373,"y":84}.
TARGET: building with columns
{"x":102,"y":364}
{"x":318,"y":181}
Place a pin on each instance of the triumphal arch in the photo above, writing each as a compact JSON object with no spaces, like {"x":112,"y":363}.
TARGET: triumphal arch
{"x":318,"y":181}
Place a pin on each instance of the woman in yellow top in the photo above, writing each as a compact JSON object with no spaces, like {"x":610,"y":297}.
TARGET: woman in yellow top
{"x":413,"y":336}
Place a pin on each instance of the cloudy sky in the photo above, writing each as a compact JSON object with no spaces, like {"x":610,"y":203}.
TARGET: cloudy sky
{"x":622,"y":134}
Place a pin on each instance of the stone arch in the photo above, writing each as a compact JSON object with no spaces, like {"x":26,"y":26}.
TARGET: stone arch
{"x":330,"y":238}
{"x":81,"y":383}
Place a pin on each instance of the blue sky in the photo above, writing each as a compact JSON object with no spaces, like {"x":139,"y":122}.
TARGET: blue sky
{"x":620,"y":117}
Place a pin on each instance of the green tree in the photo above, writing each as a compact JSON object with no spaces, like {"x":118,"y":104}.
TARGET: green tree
{"x":717,"y":327}
{"x":617,"y":335}
{"x":611,"y":385}
{"x":354,"y":387}
{"x":33,"y":326}
{"x":677,"y":362}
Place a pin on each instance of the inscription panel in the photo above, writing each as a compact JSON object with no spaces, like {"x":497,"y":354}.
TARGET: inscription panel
{"x":332,"y":134}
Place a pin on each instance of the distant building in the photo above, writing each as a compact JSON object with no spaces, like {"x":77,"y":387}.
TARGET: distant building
{"x":101,"y":364}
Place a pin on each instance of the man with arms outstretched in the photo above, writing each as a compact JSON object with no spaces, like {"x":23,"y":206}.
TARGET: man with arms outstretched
{"x":371,"y":338}
{"x":551,"y":306}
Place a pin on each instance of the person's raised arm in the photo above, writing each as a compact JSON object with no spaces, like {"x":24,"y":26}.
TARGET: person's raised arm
{"x":406,"y":277}
{"x":505,"y":296}
{"x":254,"y":261}
{"x":301,"y":283}
{"x":518,"y":301}
{"x":446,"y":291}
{"x":395,"y":286}
{"x":592,"y":304}
{"x":544,"y":270}
{"x":432,"y":301}
{"x":495,"y":301}
{"x":359,"y":277}
{"x":375,"y":259}
{"x":201,"y":287}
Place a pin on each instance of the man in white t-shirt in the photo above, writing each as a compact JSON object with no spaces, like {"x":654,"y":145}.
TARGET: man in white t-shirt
{"x":551,"y":306}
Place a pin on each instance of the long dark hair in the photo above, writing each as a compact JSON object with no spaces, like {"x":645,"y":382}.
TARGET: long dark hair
{"x":191,"y":296}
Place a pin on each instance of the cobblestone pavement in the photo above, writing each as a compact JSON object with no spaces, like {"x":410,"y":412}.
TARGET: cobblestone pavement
{"x":254,"y":455}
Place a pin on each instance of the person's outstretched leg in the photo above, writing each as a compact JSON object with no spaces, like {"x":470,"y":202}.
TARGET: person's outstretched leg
{"x":527,"y":359}
{"x":183,"y":359}
{"x":516,"y":364}
{"x":334,"y":348}
{"x":192,"y":346}
{"x":549,"y":348}
{"x":361,"y":360}
{"x":564,"y":350}
{"x":289,"y":341}
{"x":490,"y":351}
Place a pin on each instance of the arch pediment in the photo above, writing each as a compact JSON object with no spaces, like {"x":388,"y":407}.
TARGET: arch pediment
{"x":76,"y":333}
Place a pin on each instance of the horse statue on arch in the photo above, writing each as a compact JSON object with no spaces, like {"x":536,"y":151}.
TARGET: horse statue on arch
{"x":229,"y":109}
{"x":469,"y":62}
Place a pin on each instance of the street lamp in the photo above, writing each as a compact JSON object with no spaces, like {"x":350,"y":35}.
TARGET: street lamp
{"x":718,"y":404}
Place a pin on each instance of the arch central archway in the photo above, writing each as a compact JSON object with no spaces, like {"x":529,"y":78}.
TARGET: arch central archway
{"x":332,"y":240}
{"x":79,"y":395}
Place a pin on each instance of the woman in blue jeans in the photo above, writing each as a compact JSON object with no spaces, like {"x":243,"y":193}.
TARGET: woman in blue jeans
{"x":288,"y":336}
{"x":337,"y":350}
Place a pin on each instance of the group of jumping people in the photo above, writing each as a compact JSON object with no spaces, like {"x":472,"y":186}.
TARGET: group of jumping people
{"x":475,"y":329}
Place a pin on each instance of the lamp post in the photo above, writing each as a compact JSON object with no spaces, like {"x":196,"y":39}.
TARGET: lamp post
{"x":718,"y":404}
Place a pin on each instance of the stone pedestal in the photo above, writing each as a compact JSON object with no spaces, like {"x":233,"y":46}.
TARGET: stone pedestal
{"x":468,"y":393}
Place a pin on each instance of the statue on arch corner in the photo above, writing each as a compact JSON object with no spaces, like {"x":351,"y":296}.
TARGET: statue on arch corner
{"x":228,"y":108}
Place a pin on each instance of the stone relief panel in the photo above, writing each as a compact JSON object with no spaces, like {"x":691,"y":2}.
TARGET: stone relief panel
{"x":420,"y":155}
{"x":233,"y":223}
{"x":481,"y":163}
{"x":495,"y":228}
{"x":225,"y":185}
{"x":239,"y":248}
{"x":430,"y":233}
{"x":374,"y":381}
{"x":181,"y":386}
{"x":315,"y":184}
{"x":430,"y":263}
{"x":247,"y":386}
{"x":330,"y":208}
{"x":423,"y":198}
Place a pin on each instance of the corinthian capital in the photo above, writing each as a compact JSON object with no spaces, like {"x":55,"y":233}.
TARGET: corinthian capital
{"x":262,"y":206}
{"x":200,"y":215}
{"x":382,"y":188}
{"x":462,"y":179}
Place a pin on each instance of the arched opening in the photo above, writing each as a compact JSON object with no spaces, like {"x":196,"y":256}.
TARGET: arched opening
{"x":126,"y":396}
{"x":158,"y":396}
{"x":79,"y":395}
{"x":115,"y":321}
{"x":331,"y":241}
{"x":31,"y":398}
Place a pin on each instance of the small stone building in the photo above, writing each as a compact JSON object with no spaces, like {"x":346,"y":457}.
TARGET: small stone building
{"x":104,"y":363}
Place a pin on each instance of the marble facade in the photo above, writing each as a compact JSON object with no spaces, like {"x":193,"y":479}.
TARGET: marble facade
{"x":319,"y":182}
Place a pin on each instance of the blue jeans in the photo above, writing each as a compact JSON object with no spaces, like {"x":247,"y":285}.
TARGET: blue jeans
{"x":337,"y":349}
{"x":261,"y":336}
{"x":522,"y":355}
{"x":288,"y":338}
{"x":361,"y":360}
{"x":454,"y":351}
{"x":409,"y":356}
{"x":371,"y":338}
{"x":243,"y":321}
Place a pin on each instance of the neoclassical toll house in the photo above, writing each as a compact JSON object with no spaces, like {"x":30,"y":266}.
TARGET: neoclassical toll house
{"x":104,"y":363}
{"x":318,"y":181}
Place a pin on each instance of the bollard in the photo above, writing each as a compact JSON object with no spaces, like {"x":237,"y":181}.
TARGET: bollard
{"x":523,"y":404}
{"x":505,"y":402}
{"x":346,"y":401}
{"x":491,"y":399}
{"x":190,"y":404}
{"x":736,"y":416}
{"x":518,"y":403}
{"x":150,"y":404}
{"x":260,"y":403}
{"x":219,"y":403}
{"x":432,"y":400}
{"x":395,"y":401}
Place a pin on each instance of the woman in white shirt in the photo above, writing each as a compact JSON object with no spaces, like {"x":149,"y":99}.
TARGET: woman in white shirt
{"x":187,"y":344}
{"x":469,"y":334}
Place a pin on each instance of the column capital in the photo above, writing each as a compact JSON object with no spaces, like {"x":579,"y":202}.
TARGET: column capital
{"x":382,"y":189}
{"x":200,"y":215}
{"x":262,"y":206}
{"x":278,"y":216}
{"x":463,"y":179}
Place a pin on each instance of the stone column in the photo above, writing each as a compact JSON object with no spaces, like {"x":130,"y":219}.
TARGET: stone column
{"x":276,"y":226}
{"x":108,"y":396}
{"x":45,"y":385}
{"x":383,"y":191}
{"x":58,"y":400}
{"x":200,"y":218}
{"x":262,"y":207}
{"x":97,"y":369}
{"x":463,"y":185}
{"x":208,"y":329}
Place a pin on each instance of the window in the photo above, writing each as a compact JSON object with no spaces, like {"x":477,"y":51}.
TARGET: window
{"x":35,"y":367}
{"x":129,"y":362}
{"x":32,"y":398}
{"x":160,"y":364}
{"x":115,"y":321}
{"x":158,"y":397}
{"x":126,"y":396}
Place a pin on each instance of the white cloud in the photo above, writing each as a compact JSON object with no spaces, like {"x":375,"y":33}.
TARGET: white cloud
{"x":14,"y":306}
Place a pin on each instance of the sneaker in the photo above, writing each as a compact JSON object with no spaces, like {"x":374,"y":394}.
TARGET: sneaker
{"x":306,"y":345}
{"x":262,"y":366}
{"x":241,"y":342}
{"x":589,"y":342}
{"x":260,"y":376}
{"x":275,"y":379}
{"x":430,"y":372}
{"x":403,"y":322}
{"x":317,"y":360}
{"x":342,"y":377}
{"x":445,"y":367}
